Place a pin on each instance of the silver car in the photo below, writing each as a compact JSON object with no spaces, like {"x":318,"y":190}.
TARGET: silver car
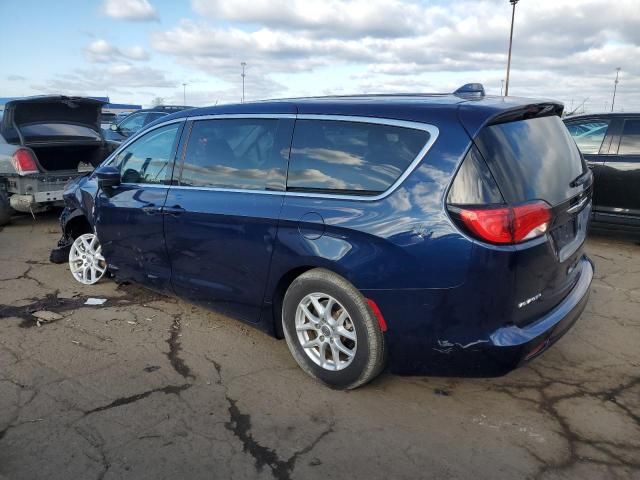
{"x":45,"y":141}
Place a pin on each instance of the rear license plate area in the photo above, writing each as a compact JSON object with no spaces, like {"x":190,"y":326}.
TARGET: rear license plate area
{"x":565,"y":233}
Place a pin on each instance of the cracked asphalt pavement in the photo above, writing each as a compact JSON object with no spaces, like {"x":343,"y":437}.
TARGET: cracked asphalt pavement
{"x":150,"y":387}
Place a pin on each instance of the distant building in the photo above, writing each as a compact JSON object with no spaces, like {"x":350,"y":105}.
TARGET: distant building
{"x":107,"y":108}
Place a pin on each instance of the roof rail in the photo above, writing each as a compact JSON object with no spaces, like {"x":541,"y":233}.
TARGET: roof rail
{"x":474,"y":89}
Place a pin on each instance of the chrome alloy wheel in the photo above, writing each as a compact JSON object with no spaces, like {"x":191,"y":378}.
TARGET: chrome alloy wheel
{"x":85,"y":259}
{"x":325,"y":331}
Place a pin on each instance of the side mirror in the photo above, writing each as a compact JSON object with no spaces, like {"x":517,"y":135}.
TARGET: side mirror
{"x":107,"y":176}
{"x":114,"y":127}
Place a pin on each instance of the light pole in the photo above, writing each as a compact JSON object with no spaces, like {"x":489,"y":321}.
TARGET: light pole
{"x":615,"y":87}
{"x":244,"y":64}
{"x":184,"y":94}
{"x":501,"y":86}
{"x":513,"y":14}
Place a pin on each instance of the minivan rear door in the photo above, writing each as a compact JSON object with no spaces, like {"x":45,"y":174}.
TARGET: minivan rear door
{"x":536,"y":159}
{"x":221,"y":214}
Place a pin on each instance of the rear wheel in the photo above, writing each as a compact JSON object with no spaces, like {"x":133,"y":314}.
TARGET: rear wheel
{"x":5,"y":208}
{"x":331,"y":331}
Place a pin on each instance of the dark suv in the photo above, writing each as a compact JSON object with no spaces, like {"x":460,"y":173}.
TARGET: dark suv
{"x":610,"y":143}
{"x":139,"y":119}
{"x":441,"y":232}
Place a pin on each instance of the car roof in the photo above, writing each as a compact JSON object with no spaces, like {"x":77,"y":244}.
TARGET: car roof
{"x":474,"y":111}
{"x":164,"y":109}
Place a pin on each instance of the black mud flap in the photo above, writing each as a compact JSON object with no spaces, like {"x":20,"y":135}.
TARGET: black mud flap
{"x":60,"y":254}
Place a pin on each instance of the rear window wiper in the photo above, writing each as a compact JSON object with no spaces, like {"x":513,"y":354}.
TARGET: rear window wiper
{"x":581,"y":179}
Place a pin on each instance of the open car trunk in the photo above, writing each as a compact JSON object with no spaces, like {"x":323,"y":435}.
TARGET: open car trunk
{"x":69,"y":157}
{"x":63,"y":132}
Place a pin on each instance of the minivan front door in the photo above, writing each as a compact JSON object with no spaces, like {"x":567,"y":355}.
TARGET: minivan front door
{"x":221,"y":219}
{"x":128,"y":218}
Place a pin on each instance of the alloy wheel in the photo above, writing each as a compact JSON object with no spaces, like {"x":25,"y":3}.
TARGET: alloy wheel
{"x":85,"y":259}
{"x":325,"y":331}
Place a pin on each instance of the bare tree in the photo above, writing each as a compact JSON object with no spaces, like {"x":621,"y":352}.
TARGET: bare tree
{"x":157,"y":101}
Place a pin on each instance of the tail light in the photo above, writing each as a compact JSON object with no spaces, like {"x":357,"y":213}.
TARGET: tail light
{"x":24,"y":161}
{"x":505,"y":225}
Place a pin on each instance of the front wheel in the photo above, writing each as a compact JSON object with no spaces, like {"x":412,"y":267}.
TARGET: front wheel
{"x":331,"y":331}
{"x":86,"y":262}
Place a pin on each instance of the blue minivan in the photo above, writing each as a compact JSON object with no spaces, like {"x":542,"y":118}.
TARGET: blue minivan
{"x":432,"y":233}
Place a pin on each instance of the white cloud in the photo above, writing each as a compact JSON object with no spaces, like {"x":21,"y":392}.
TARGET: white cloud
{"x":561,"y":50}
{"x":355,"y":18}
{"x":135,"y":10}
{"x":111,"y":78}
{"x":101,"y":51}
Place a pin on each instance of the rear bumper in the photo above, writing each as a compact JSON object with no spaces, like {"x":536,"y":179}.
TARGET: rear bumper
{"x":32,"y":193}
{"x":473,"y":352}
{"x":530,"y":341}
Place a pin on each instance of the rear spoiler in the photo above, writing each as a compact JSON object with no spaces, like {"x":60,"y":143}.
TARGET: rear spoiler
{"x":503,"y":110}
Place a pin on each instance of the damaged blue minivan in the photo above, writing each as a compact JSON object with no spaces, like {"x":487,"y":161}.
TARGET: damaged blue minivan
{"x":432,"y":233}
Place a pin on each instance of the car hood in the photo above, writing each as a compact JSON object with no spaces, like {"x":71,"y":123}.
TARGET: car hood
{"x":52,"y":109}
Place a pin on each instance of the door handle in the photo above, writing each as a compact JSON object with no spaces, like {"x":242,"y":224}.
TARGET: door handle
{"x":173,"y":211}
{"x":151,"y":209}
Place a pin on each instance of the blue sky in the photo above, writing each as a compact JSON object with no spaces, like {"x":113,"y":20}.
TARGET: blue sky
{"x":136,"y":50}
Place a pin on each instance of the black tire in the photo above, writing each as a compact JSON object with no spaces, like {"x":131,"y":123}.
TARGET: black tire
{"x":5,"y":208}
{"x":369,"y":357}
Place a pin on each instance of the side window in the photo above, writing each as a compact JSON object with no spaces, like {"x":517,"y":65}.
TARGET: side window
{"x":151,"y":116}
{"x":149,"y":158}
{"x":630,"y":143}
{"x":588,"y":135}
{"x":332,"y":156}
{"x":234,"y":153}
{"x":132,"y":123}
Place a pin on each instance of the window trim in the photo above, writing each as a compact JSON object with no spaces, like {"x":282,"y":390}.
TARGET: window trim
{"x":433,"y":131}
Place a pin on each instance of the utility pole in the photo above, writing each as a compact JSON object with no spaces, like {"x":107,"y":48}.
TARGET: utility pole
{"x":513,"y":15}
{"x":501,"y":86}
{"x":615,"y":87}
{"x":244,"y":64}
{"x":184,"y":94}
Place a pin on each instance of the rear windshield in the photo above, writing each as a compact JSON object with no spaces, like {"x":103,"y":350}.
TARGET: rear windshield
{"x":532,"y":159}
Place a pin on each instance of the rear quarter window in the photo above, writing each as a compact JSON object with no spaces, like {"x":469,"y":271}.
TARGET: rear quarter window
{"x":533,"y":159}
{"x":334,"y":156}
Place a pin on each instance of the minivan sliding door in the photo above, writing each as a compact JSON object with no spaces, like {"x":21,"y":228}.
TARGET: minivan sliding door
{"x":222,"y":215}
